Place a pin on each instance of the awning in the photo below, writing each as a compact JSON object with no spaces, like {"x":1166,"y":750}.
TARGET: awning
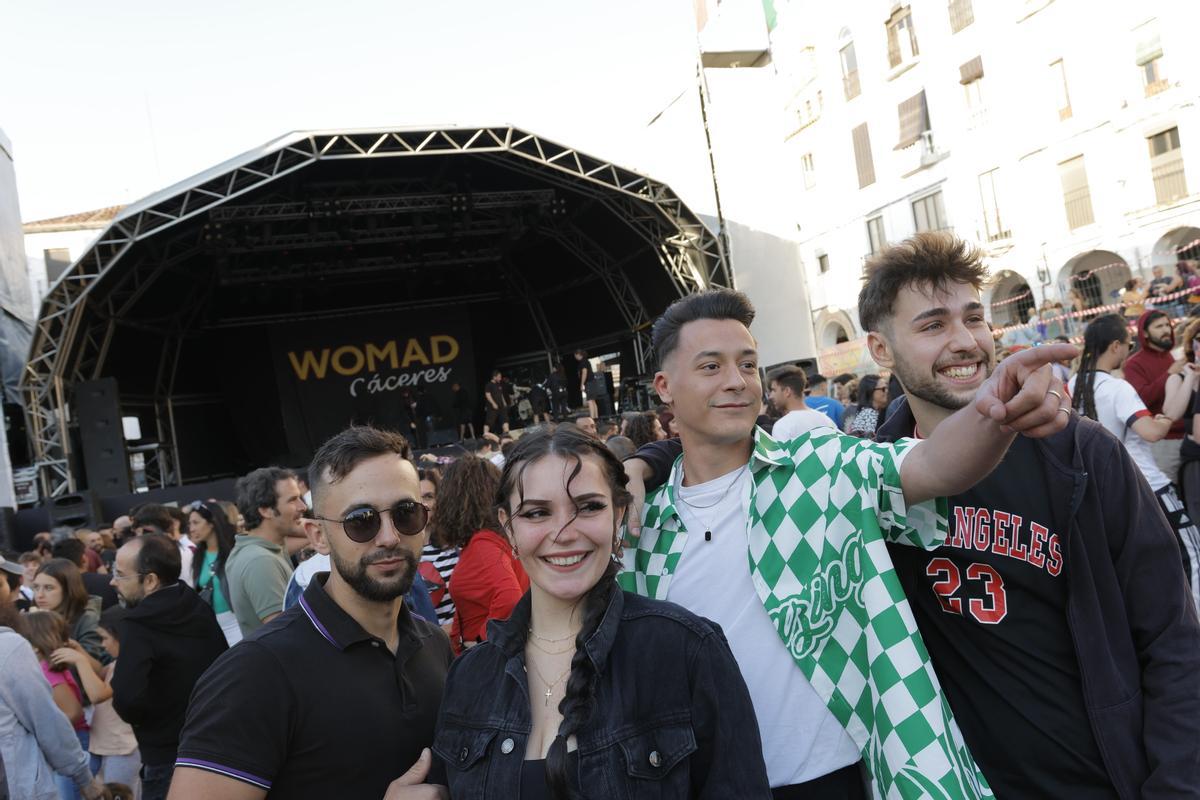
{"x":971,"y":71}
{"x":1149,"y":47}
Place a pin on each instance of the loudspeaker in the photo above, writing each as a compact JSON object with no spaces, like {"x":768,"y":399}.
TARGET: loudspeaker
{"x":102,"y":437}
{"x":74,"y":511}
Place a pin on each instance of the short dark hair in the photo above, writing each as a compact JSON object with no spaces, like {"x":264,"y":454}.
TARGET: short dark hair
{"x":928,"y":259}
{"x":815,"y":379}
{"x":71,"y":549}
{"x":158,"y":554}
{"x":789,"y":378}
{"x":712,"y":304}
{"x":153,"y":514}
{"x":257,"y":490}
{"x":344,"y":451}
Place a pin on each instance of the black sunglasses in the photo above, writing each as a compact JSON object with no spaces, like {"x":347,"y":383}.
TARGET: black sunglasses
{"x":362,"y":524}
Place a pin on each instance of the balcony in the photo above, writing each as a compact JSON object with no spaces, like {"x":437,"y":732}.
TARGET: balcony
{"x":1170,"y":184}
{"x":1155,"y":87}
{"x":919,"y":155}
{"x":850,"y":85}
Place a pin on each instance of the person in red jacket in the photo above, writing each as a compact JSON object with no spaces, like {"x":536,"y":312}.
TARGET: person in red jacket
{"x":488,"y":580}
{"x":1148,"y":370}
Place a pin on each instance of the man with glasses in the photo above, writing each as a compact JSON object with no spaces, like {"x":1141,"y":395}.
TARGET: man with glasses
{"x":339,"y":694}
{"x":257,"y":568}
{"x":168,"y":638}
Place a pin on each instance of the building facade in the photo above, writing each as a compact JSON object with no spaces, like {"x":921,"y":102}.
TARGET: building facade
{"x":1062,"y":136}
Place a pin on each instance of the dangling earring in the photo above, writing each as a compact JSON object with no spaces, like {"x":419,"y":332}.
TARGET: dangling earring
{"x":515,"y":553}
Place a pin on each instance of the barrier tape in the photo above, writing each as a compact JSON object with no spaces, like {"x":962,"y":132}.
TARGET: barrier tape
{"x":1098,"y":310}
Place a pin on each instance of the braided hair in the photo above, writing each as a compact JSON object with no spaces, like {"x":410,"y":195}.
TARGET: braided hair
{"x":578,"y":702}
{"x":1101,"y":332}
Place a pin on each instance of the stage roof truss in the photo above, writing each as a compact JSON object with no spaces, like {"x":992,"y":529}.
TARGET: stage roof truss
{"x":74,"y":331}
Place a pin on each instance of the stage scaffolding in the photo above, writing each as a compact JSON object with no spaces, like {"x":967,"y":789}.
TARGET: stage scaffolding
{"x":92,"y":299}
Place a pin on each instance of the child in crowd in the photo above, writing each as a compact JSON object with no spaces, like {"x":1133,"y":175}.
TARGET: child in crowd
{"x":66,"y":667}
{"x":113,"y":746}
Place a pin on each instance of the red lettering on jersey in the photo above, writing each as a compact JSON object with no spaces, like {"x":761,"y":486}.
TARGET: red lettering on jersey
{"x":964,"y":517}
{"x":1037,"y":541}
{"x":1016,"y":549}
{"x":947,"y":583}
{"x":999,"y":534}
{"x":983,"y":530}
{"x":1054,"y":567}
{"x":993,"y":585}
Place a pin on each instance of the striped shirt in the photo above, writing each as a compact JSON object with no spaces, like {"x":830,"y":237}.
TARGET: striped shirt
{"x":437,"y":566}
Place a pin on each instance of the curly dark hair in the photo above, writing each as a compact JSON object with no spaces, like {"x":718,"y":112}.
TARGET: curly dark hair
{"x":579,"y":699}
{"x":929,"y":260}
{"x":640,"y":429}
{"x":465,"y":502}
{"x":257,"y":490}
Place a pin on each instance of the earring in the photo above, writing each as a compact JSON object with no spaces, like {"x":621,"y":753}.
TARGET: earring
{"x":515,"y":553}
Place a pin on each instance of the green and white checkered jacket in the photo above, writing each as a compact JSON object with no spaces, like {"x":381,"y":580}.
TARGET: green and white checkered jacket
{"x":821,"y":508}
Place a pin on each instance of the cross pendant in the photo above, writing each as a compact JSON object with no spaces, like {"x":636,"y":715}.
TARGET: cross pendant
{"x":548,"y":692}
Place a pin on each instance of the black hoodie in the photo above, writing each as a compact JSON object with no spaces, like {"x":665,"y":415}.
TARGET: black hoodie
{"x":168,"y":640}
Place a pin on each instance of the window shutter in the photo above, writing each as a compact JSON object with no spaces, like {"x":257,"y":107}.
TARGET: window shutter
{"x":862,"y":156}
{"x":914,"y":119}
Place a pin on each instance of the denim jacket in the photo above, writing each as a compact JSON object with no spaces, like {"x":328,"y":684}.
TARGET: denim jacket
{"x":672,"y":717}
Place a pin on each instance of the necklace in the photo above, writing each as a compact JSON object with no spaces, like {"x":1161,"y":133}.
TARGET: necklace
{"x":549,"y":652}
{"x":549,"y":686}
{"x":547,"y":639}
{"x":719,"y":500}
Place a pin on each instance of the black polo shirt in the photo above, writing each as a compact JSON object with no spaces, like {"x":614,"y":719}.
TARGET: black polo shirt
{"x":312,"y":706}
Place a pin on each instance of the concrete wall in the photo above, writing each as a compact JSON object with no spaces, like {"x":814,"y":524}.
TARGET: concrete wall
{"x":14,"y":280}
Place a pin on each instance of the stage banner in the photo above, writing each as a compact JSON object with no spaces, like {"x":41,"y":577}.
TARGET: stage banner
{"x":388,"y":369}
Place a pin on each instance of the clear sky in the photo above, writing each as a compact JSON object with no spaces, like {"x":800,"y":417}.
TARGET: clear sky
{"x":106,"y":102}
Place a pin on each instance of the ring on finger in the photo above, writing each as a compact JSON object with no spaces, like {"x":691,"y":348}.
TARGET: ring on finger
{"x":1065,"y":410}
{"x":1056,"y":394}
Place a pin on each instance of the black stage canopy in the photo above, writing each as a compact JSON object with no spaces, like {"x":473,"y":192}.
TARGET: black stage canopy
{"x":239,"y":309}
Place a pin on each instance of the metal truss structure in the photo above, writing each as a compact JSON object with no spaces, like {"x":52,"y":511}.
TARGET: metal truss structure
{"x":84,"y":307}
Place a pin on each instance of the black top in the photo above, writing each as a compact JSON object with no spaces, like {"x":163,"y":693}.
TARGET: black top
{"x":312,"y":706}
{"x":495,"y":391}
{"x":991,"y":605}
{"x":168,"y":640}
{"x":533,"y":777}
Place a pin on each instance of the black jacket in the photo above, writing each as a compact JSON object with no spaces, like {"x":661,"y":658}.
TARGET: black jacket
{"x":168,"y":640}
{"x":1132,"y":621}
{"x":672,"y":716}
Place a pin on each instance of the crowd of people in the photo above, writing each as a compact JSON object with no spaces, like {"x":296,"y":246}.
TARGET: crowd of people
{"x":953,"y":578}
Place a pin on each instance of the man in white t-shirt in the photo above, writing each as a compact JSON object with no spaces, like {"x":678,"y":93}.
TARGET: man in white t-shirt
{"x":1119,"y":408}
{"x":786,"y":393}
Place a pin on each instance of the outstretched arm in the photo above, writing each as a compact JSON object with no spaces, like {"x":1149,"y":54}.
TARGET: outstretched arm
{"x":1022,"y":396}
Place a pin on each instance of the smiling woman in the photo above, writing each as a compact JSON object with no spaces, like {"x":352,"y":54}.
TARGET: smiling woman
{"x":565,"y":665}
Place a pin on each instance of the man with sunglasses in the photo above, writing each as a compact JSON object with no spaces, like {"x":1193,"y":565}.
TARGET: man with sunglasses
{"x":168,"y":638}
{"x":340,"y":693}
